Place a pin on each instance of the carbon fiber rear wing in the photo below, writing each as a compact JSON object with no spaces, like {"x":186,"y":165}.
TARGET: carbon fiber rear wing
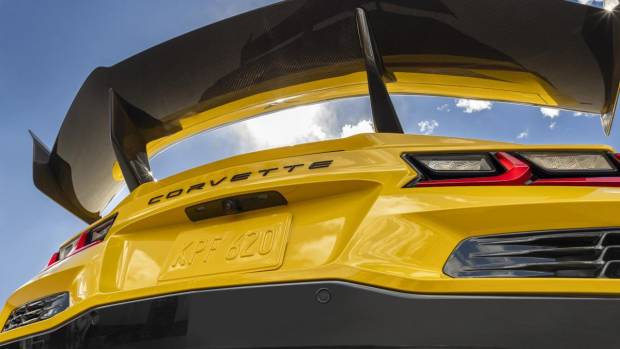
{"x":541,"y":52}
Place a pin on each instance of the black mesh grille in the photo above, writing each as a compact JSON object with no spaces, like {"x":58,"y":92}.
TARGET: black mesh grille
{"x":572,"y":254}
{"x":37,"y":310}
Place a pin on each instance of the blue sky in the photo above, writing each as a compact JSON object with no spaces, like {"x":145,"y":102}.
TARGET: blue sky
{"x":47,"y":48}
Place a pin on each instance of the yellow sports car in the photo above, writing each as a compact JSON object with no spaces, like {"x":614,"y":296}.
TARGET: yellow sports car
{"x":380,"y":240}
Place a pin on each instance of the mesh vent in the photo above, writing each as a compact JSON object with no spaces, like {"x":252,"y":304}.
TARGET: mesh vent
{"x":37,"y":310}
{"x":571,"y":254}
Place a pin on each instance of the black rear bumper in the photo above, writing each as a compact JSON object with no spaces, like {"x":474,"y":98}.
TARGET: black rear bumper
{"x":338,"y":314}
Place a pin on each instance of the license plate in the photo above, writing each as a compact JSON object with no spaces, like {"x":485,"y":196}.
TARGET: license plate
{"x":253,"y":244}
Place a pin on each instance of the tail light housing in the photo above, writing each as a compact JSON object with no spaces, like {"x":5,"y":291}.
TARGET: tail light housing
{"x":578,"y":168}
{"x":86,"y":239}
{"x":571,"y":164}
{"x":451,"y":166}
{"x":492,"y":169}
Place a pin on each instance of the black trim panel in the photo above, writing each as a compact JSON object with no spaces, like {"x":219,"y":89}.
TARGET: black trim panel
{"x":337,"y":314}
{"x":573,"y":253}
{"x":234,"y":205}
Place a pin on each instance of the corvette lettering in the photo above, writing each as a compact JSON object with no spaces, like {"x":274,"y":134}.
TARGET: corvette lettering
{"x":214,"y":182}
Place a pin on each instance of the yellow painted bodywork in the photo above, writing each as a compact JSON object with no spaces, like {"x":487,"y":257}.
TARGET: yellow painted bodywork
{"x":352,"y":221}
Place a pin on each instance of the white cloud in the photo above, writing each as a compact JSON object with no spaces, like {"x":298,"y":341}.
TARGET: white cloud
{"x":550,"y":112}
{"x":444,"y":107}
{"x":427,"y":127}
{"x":364,"y":126}
{"x":552,"y":125}
{"x":523,"y":134}
{"x":471,"y":105}
{"x":287,"y":127}
{"x":297,"y":125}
{"x":587,"y":115}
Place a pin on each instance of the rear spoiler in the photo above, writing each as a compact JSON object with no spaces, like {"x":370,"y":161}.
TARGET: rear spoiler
{"x":541,"y":52}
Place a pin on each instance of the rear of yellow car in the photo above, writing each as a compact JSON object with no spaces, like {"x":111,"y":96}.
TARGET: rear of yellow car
{"x":344,"y":243}
{"x":379,"y":240}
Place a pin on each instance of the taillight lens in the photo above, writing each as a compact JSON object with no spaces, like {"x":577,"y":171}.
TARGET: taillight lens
{"x":460,"y":163}
{"x":86,"y":239}
{"x":468,"y":169}
{"x":451,"y":166}
{"x":68,"y":248}
{"x":571,"y":162}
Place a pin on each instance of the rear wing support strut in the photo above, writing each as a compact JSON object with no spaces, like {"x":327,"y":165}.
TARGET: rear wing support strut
{"x":383,"y":113}
{"x":131,"y":129}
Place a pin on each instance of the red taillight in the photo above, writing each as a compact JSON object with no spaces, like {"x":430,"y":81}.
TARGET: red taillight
{"x":82,"y":242}
{"x":86,"y":239}
{"x":568,"y":168}
{"x":515,"y":172}
{"x":53,"y":259}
